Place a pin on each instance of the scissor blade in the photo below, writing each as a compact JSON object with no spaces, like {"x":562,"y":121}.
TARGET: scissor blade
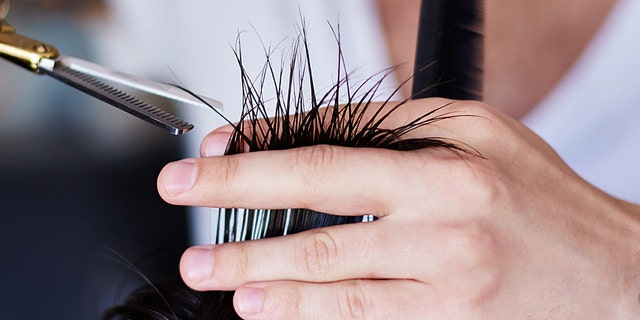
{"x":153,"y":87}
{"x":118,"y":98}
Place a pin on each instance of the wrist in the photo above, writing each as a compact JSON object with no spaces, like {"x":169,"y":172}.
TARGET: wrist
{"x":630,"y":300}
{"x":634,"y":276}
{"x":613,"y":248}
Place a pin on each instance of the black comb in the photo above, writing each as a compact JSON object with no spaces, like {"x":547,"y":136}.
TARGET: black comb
{"x":449,"y":50}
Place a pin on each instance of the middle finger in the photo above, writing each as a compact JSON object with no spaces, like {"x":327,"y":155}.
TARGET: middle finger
{"x":371,"y":250}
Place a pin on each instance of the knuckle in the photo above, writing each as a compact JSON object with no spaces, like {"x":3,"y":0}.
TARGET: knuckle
{"x":480,"y":183}
{"x":474,"y":245}
{"x":232,"y":167}
{"x":484,"y":185}
{"x":474,"y":250}
{"x":489,"y":127}
{"x":319,"y":254}
{"x":235,"y":258}
{"x":317,"y":162}
{"x":475,"y":301}
{"x":354,"y":302}
{"x":226,"y":172}
{"x":469,"y":107}
{"x":474,"y":108}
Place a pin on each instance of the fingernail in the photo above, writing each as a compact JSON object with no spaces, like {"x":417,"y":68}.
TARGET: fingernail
{"x":216,"y":144}
{"x":250,"y":300}
{"x":198,"y":262}
{"x":180,"y":176}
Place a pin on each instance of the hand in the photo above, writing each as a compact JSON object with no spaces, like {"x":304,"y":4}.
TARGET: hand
{"x":4,"y":8}
{"x":514,"y":234}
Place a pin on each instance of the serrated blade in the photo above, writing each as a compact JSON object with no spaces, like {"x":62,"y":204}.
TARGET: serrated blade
{"x":130,"y":81}
{"x":118,"y":98}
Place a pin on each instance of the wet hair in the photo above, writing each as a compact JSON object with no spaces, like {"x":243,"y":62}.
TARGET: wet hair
{"x":299,"y":117}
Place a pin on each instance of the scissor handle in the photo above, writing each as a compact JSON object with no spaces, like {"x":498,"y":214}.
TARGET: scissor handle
{"x":24,"y":51}
{"x":42,"y":58}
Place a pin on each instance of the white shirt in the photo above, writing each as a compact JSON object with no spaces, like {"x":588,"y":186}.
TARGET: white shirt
{"x":592,"y":117}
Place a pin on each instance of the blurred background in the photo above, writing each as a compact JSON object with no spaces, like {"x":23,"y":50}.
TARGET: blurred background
{"x":77,"y":176}
{"x":77,"y":180}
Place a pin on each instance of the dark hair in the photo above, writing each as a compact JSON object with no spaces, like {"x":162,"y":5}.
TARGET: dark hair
{"x":296,"y":121}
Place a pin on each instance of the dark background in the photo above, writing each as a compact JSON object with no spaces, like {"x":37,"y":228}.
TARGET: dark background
{"x":77,"y":184}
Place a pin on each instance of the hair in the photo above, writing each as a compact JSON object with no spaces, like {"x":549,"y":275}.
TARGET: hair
{"x":295,"y":116}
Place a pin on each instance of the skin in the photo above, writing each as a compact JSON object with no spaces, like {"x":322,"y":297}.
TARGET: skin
{"x":514,"y":234}
{"x":529,"y":45}
{"x":4,"y":8}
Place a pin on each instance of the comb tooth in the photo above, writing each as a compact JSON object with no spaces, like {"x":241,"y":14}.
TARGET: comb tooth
{"x":121,"y":100}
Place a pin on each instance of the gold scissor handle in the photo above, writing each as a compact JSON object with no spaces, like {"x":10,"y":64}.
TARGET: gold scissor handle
{"x":24,"y":51}
{"x":42,"y":58}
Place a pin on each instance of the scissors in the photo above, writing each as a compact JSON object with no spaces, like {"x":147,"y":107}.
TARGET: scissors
{"x":96,"y":80}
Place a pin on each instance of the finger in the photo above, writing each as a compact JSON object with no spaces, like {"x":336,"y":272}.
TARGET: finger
{"x":323,"y":178}
{"x":331,"y":179}
{"x":319,"y":255}
{"x":371,"y":250}
{"x":215,"y":143}
{"x":351,"y":299}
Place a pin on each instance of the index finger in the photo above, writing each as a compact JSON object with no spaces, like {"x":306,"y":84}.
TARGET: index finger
{"x":332,"y":179}
{"x":4,"y":8}
{"x":337,"y":180}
